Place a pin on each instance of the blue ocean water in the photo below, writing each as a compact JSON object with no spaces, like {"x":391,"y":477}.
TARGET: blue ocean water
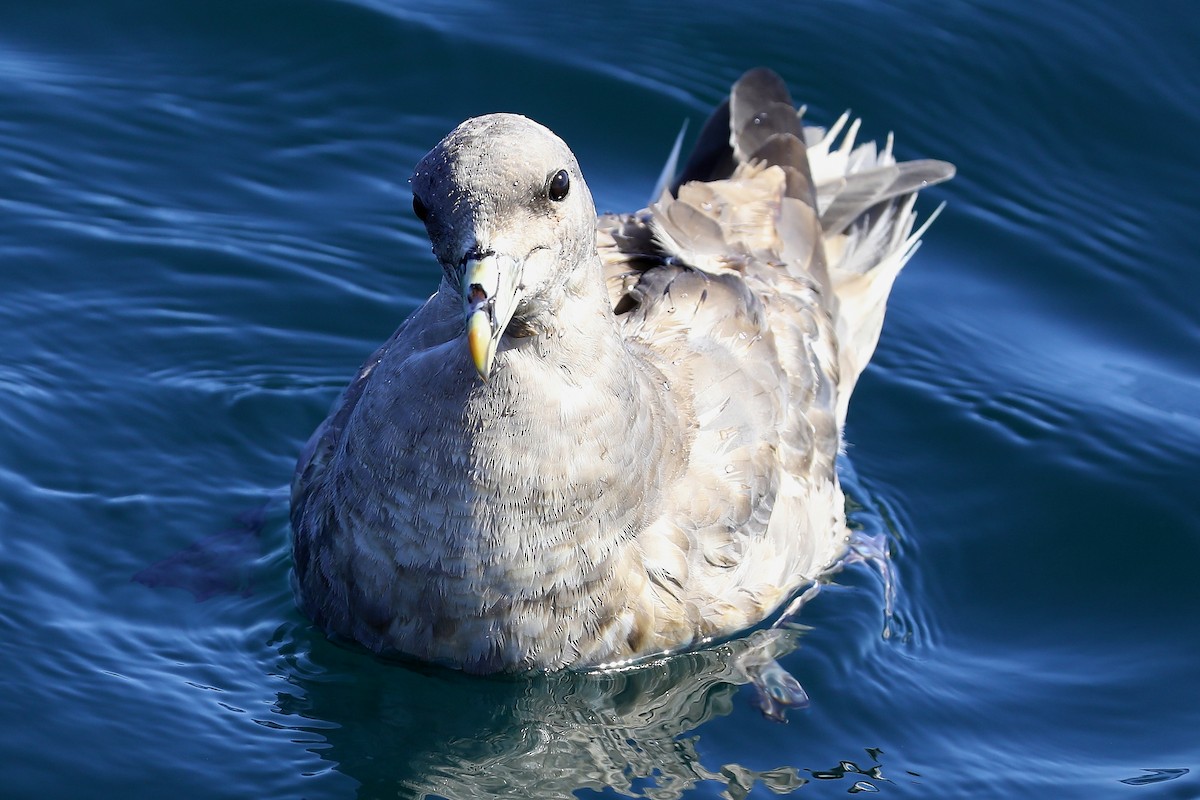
{"x":205,"y":228}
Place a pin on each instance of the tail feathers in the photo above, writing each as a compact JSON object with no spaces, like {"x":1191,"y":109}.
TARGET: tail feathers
{"x":859,"y":200}
{"x":764,"y":127}
{"x":758,"y":109}
{"x":753,"y":101}
{"x":853,"y":195}
{"x":866,"y":260}
{"x":865,"y":199}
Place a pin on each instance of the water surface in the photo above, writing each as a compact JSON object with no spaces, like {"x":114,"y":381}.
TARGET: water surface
{"x":205,"y":228}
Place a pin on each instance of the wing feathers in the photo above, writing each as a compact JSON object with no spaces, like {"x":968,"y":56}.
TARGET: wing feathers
{"x":758,"y":285}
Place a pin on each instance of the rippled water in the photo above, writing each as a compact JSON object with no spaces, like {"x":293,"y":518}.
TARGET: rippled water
{"x":204,"y":229}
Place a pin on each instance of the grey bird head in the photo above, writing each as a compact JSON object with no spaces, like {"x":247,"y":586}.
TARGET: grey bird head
{"x":511,"y":222}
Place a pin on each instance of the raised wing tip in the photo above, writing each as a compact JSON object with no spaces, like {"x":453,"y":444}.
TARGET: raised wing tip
{"x":932,"y":171}
{"x":667,"y":176}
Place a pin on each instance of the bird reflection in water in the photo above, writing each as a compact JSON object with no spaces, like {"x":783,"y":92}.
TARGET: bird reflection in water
{"x":420,"y":731}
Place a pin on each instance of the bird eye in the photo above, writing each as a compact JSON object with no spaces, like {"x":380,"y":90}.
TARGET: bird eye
{"x":560,"y":184}
{"x":420,"y":209}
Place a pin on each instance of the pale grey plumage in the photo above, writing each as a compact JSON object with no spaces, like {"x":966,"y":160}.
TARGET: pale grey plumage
{"x":650,"y":461}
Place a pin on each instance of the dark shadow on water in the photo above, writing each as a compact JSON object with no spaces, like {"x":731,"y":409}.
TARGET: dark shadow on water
{"x":218,"y":564}
{"x":221,"y":563}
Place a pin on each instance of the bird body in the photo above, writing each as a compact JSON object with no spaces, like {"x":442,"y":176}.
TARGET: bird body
{"x":607,"y":438}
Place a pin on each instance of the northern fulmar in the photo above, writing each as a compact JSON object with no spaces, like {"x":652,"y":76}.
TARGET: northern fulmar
{"x":606,"y":438}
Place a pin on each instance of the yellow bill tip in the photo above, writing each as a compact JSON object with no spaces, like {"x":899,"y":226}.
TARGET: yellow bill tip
{"x":479,"y":340}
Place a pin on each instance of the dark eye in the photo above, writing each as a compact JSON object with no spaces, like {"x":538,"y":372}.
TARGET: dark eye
{"x":560,"y":184}
{"x":419,"y":209}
